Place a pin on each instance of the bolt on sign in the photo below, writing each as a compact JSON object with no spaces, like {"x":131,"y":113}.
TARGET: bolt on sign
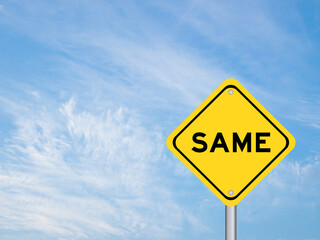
{"x":230,"y":142}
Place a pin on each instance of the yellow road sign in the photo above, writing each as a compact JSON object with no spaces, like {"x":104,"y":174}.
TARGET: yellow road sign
{"x":230,"y":142}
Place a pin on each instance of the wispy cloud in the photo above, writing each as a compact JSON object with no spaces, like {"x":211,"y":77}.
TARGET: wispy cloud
{"x":71,"y":173}
{"x":291,"y":185}
{"x":308,"y":111}
{"x":123,"y":41}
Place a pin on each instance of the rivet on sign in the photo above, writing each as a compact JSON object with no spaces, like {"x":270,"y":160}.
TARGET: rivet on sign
{"x":230,"y":91}
{"x":230,"y":192}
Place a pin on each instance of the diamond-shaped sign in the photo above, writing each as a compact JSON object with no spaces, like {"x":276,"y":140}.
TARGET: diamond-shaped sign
{"x":230,"y":142}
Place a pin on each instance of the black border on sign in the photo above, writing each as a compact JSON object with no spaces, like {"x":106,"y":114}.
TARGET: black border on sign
{"x":231,"y":198}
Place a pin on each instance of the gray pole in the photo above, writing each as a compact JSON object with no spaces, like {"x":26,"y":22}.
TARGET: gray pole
{"x":231,"y":223}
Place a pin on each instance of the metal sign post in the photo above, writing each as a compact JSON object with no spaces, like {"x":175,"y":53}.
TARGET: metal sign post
{"x":230,"y":142}
{"x":231,"y":223}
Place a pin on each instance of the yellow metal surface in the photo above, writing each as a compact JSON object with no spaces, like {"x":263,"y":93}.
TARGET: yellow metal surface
{"x":230,"y":142}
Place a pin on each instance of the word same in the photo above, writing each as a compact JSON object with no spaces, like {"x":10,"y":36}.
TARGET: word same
{"x":219,"y":142}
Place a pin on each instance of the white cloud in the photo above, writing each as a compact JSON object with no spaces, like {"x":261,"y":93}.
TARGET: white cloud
{"x":291,"y":185}
{"x":140,"y":53}
{"x":308,"y":111}
{"x":247,"y":28}
{"x":70,"y":173}
{"x":136,"y":49}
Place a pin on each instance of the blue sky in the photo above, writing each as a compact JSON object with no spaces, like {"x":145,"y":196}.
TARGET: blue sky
{"x":89,"y":91}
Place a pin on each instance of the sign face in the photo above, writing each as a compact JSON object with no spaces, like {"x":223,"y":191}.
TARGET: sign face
{"x":230,"y":142}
